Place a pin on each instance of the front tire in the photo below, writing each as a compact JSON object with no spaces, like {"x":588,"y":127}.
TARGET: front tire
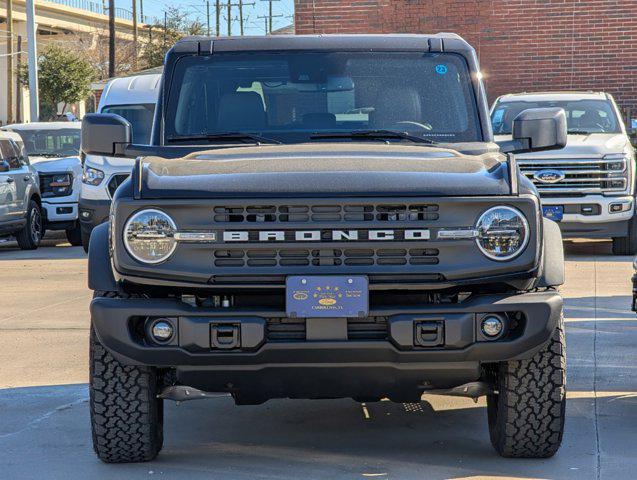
{"x":30,"y":236}
{"x":626,"y":245}
{"x":74,"y":236}
{"x":85,"y":239}
{"x":126,"y":415}
{"x":526,"y":415}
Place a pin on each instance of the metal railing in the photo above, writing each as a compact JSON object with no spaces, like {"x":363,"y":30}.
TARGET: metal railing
{"x":100,"y":8}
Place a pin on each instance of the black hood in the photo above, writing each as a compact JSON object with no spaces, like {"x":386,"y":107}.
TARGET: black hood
{"x":321,"y":169}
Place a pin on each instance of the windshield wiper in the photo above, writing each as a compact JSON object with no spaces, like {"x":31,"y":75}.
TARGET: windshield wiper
{"x":579,"y":132}
{"x":240,"y":136}
{"x":374,"y":134}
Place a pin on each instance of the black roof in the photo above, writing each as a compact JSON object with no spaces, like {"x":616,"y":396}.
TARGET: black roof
{"x":438,"y":42}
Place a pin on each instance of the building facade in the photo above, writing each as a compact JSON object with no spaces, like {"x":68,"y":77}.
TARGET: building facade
{"x":523,"y":45}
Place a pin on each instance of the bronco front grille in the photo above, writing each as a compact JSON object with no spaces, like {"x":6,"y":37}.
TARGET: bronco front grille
{"x":581,"y":176}
{"x":304,"y":257}
{"x":400,"y":212}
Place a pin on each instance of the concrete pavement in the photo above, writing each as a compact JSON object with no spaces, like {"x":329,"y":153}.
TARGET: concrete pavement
{"x":44,"y":429}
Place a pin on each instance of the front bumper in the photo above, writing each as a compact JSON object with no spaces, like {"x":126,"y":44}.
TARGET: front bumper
{"x":263,"y":367}
{"x":592,"y":216}
{"x":93,"y":213}
{"x":61,"y":212}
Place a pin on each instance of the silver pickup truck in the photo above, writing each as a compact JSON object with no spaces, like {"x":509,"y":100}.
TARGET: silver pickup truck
{"x":589,"y":186}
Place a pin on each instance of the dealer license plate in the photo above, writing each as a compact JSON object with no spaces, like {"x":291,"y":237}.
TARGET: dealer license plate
{"x":327,"y":296}
{"x":553,"y":212}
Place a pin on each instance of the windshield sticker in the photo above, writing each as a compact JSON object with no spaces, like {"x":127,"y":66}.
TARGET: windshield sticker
{"x":441,"y":69}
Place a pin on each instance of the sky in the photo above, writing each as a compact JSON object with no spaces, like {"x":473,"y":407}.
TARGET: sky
{"x":196,"y":9}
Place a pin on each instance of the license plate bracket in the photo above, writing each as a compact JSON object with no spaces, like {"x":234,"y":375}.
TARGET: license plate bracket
{"x":337,"y":296}
{"x":553,"y":212}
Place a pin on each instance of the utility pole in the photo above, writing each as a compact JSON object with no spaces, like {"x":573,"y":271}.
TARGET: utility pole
{"x":208,"y":17}
{"x":141,"y":11}
{"x":10,"y":61}
{"x":18,"y":99}
{"x":241,"y":17}
{"x":270,"y":17}
{"x":230,"y":18}
{"x":218,"y":14}
{"x":111,"y":38}
{"x":34,"y":106}
{"x":135,"y":46}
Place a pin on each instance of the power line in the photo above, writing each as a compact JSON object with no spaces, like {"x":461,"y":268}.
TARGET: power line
{"x":268,"y":19}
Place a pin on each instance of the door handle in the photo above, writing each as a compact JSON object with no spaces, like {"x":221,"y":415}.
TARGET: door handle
{"x":10,"y":180}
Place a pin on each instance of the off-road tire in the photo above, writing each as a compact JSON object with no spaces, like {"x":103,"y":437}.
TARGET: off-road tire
{"x":86,"y":237}
{"x":74,"y":236}
{"x":526,"y":415}
{"x":626,"y":245}
{"x":30,"y":236}
{"x":126,"y":415}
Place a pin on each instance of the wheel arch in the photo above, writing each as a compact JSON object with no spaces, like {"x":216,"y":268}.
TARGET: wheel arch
{"x":100,"y":270}
{"x":553,"y":256}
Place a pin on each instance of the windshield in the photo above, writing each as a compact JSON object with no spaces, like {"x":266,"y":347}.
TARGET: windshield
{"x":63,"y":142}
{"x":290,"y":97}
{"x":140,"y":117}
{"x":582,"y":116}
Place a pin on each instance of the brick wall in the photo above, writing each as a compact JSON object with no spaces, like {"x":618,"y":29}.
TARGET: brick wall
{"x":524,"y":45}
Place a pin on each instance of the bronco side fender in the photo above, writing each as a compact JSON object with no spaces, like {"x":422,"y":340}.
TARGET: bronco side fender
{"x":100,"y":271}
{"x":553,"y":257}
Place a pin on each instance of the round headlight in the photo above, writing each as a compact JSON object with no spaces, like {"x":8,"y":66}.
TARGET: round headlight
{"x":503,"y":232}
{"x":149,"y":236}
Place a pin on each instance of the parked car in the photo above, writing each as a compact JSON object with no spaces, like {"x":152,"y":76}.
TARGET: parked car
{"x":54,"y":151}
{"x":323,"y":217}
{"x":20,"y":199}
{"x":589,"y":186}
{"x":133,"y":98}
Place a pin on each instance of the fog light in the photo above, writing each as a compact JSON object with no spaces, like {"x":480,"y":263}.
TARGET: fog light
{"x":492,"y":326}
{"x":162,"y":331}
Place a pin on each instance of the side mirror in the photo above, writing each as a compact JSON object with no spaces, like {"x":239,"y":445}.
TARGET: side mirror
{"x":538,"y":129}
{"x":4,"y":166}
{"x":103,"y":132}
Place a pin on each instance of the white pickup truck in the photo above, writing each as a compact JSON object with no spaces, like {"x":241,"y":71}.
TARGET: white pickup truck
{"x":54,"y":151}
{"x":589,"y":186}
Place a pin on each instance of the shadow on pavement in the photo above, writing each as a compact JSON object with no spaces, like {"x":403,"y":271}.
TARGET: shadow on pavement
{"x":291,"y":439}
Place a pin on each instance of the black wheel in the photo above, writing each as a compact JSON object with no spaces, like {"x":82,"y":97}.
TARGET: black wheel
{"x":626,"y":245}
{"x":74,"y":236}
{"x":526,"y":415}
{"x":126,"y":415}
{"x":85,"y":237}
{"x":30,"y":236}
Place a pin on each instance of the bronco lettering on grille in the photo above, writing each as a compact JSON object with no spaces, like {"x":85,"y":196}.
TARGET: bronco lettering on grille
{"x":332,"y":235}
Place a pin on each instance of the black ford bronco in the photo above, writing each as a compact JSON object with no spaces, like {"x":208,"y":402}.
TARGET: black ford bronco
{"x":325,"y":217}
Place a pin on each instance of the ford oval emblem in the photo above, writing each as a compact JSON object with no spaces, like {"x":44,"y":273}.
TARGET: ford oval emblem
{"x":549,"y":176}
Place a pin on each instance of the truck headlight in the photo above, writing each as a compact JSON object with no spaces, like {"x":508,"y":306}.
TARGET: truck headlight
{"x":503,"y":233}
{"x":56,"y":184}
{"x":149,"y":236}
{"x":92,"y":176}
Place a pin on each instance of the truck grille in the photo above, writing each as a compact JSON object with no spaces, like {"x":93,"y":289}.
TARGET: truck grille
{"x":298,"y":257}
{"x":115,"y":181}
{"x":402,"y":212}
{"x":581,"y":176}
